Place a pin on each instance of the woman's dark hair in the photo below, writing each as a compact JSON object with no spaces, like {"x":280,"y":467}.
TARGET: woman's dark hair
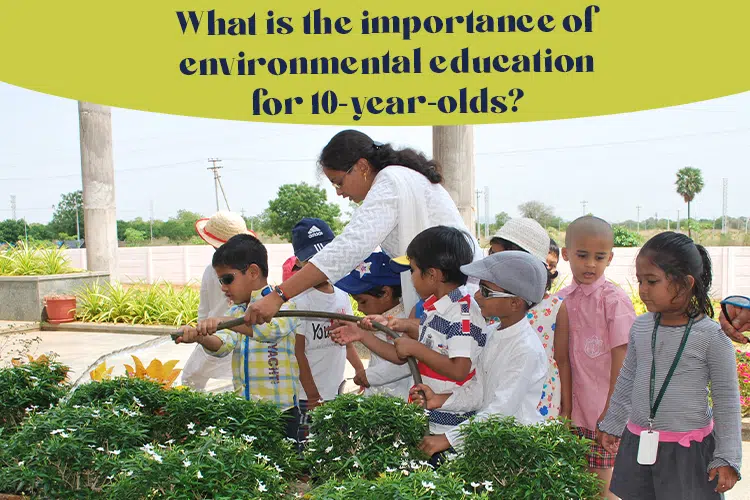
{"x":442,"y":247}
{"x":240,"y":252}
{"x":510,"y":246}
{"x":379,"y":290}
{"x":679,"y":257}
{"x":554,"y":247}
{"x":348,"y":146}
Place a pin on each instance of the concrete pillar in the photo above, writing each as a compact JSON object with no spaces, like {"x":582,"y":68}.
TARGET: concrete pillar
{"x":453,"y":149}
{"x":98,"y":174}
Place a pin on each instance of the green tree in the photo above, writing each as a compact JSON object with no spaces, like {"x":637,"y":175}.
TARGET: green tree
{"x":133,"y":235}
{"x":689,"y":183}
{"x":500,"y":220}
{"x":40,"y":232}
{"x":294,"y":202}
{"x":179,"y":228}
{"x":64,"y":218}
{"x":11,"y":231}
{"x":538,"y":211}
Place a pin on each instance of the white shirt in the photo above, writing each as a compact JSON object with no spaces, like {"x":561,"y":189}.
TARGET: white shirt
{"x":385,"y":377}
{"x":326,"y":358}
{"x":213,"y":302}
{"x":399,"y":198}
{"x":511,"y":373}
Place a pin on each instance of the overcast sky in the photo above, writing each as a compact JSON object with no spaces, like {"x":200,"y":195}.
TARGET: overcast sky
{"x":615,"y":163}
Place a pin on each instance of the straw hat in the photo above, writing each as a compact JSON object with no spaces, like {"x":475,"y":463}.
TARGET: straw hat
{"x":221,"y":226}
{"x":527,"y":234}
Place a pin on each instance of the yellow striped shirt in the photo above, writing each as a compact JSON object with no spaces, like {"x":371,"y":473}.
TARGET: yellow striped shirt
{"x":263,"y":366}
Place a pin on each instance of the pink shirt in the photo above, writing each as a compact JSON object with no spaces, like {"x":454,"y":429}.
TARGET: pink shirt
{"x":601,"y":315}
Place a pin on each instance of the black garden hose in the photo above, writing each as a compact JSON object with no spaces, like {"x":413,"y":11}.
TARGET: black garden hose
{"x":328,"y":315}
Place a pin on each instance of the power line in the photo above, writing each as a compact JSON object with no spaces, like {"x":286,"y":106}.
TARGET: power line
{"x":78,"y":174}
{"x":217,"y":183}
{"x":615,"y":143}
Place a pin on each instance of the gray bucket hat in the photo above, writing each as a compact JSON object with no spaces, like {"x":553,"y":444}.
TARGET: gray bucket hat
{"x":519,"y":273}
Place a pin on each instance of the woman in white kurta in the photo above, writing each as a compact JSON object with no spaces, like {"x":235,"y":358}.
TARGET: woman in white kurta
{"x":401,"y":195}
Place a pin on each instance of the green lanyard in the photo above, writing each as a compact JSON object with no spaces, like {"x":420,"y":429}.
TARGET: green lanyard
{"x":655,"y":404}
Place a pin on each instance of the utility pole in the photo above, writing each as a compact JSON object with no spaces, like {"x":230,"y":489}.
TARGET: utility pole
{"x":217,"y":182}
{"x":678,"y":220}
{"x":724,"y":225}
{"x":486,"y":212}
{"x":78,"y":226}
{"x":151,"y":220}
{"x":13,"y":206}
{"x":479,"y":232}
{"x":584,"y":203}
{"x":639,"y":218}
{"x":746,"y":219}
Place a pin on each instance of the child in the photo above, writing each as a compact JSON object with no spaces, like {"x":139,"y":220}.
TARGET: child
{"x":550,"y":325}
{"x":263,"y":362}
{"x":321,"y":361}
{"x":450,"y":333}
{"x":377,"y":289}
{"x":690,"y":459}
{"x":513,"y":364}
{"x":553,"y":258}
{"x":215,"y":231}
{"x":600,"y":315}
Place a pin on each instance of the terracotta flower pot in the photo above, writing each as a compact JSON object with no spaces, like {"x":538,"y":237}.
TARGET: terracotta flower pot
{"x":60,"y":308}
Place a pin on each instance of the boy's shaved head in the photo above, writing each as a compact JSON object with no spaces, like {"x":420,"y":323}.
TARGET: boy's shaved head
{"x":589,"y":226}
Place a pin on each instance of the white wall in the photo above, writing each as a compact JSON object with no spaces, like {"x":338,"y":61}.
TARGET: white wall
{"x":182,"y":264}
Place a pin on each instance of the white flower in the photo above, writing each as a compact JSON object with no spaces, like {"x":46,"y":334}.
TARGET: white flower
{"x":339,"y":488}
{"x":466,"y":492}
{"x":320,"y":460}
{"x":204,"y":433}
{"x":191,"y":432}
{"x":161,"y":446}
{"x":115,"y":452}
{"x":261,"y":456}
{"x":186,"y":463}
{"x":110,"y":477}
{"x":170,"y":441}
{"x":487,"y":485}
{"x":222,"y":431}
{"x":475,"y":485}
{"x":388,"y":469}
{"x":20,"y":464}
{"x":488,"y":488}
{"x":249,"y":439}
{"x":191,"y":425}
{"x":100,"y":449}
{"x":57,"y":431}
{"x":261,"y":486}
{"x":337,"y":459}
{"x":64,"y":435}
{"x":355,"y":465}
{"x":405,"y":472}
{"x":199,"y":475}
{"x":210,"y":428}
{"x":429,"y":486}
{"x":211,"y":453}
{"x":130,"y":473}
{"x":278,"y":469}
{"x":328,"y":450}
{"x":156,"y":457}
{"x":328,"y":417}
{"x":138,"y":401}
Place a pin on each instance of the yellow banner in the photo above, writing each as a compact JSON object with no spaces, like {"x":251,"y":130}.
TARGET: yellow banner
{"x":391,"y":63}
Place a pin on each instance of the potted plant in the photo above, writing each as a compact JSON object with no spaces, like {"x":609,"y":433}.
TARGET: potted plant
{"x":60,"y":308}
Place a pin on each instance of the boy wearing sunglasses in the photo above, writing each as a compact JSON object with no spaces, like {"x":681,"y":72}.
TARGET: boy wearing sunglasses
{"x":264,"y":365}
{"x":512,"y":367}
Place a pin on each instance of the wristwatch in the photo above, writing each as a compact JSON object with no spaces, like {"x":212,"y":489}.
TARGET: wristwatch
{"x":280,"y":293}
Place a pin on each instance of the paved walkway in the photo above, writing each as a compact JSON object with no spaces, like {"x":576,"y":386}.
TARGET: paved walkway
{"x":80,"y":350}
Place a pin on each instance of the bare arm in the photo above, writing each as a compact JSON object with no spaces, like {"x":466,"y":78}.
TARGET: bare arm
{"x":454,"y":368}
{"x":353,"y":358}
{"x":562,"y":357}
{"x":618,"y":357}
{"x":305,"y":373}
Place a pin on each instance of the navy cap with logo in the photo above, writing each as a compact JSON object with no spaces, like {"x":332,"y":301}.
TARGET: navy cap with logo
{"x":309,"y":237}
{"x":374,"y":271}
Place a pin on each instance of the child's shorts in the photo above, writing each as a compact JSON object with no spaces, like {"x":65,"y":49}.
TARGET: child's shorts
{"x":598,"y":457}
{"x":679,"y":473}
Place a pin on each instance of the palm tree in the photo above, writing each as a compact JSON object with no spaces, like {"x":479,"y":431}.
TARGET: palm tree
{"x":689,"y":183}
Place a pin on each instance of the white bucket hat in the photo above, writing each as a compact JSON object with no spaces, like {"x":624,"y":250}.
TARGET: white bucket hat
{"x":527,"y":234}
{"x":221,"y":226}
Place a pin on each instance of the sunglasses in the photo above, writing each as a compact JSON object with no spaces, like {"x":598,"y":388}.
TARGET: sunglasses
{"x":338,"y":186}
{"x":487,"y":293}
{"x":736,"y":301}
{"x":227,"y":279}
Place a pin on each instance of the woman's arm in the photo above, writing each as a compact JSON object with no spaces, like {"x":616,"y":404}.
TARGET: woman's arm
{"x":370,"y":224}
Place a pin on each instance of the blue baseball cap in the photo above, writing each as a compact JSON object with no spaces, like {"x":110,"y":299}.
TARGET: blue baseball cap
{"x":309,"y":237}
{"x":374,"y":271}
